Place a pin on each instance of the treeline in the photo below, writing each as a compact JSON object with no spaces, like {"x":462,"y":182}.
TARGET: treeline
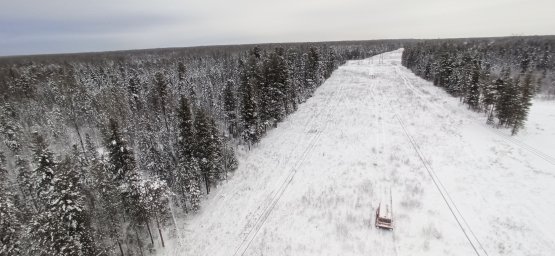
{"x":99,"y":151}
{"x":496,"y":76}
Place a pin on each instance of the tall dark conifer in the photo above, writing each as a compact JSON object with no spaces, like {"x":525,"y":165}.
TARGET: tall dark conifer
{"x":527,"y":90}
{"x":250,"y":80}
{"x":275,"y":82}
{"x":230,"y":108}
{"x":188,"y":173}
{"x":312,"y":69}
{"x":121,"y":159}
{"x":508,"y":96}
{"x":43,"y":181}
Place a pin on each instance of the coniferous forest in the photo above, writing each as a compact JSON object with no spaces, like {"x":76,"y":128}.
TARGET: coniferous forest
{"x":497,"y":76}
{"x":98,"y":150}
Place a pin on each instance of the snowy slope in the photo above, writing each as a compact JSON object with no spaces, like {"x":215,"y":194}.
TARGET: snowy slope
{"x":312,"y":185}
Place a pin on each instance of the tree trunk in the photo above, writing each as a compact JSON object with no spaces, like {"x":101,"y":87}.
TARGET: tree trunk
{"x":139,"y":241}
{"x":73,"y":119}
{"x":184,"y":201}
{"x":159,"y":230}
{"x":206,"y":183}
{"x":120,"y":249}
{"x":149,"y":233}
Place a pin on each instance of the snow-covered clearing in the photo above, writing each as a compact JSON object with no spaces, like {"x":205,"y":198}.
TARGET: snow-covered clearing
{"x":312,"y":185}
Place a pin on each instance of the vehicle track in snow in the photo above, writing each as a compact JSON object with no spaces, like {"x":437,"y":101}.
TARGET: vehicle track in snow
{"x":527,"y":202}
{"x":246,"y":242}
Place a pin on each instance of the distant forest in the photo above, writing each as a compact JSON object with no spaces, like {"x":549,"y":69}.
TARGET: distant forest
{"x":99,"y":149}
{"x":498,"y":76}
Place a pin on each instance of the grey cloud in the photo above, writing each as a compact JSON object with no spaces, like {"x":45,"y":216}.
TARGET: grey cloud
{"x":28,"y":26}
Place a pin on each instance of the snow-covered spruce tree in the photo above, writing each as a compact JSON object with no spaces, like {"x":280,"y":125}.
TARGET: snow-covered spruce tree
{"x":186,"y":137}
{"x":216,"y":152}
{"x":121,"y":163}
{"x":67,"y":203}
{"x":330,"y":63}
{"x":230,"y":108}
{"x":189,"y":182}
{"x":527,"y":89}
{"x":275,"y":79}
{"x":202,"y":147}
{"x":43,"y":175}
{"x":161,"y":86}
{"x":10,"y":223}
{"x":488,"y":91}
{"x":108,"y":212}
{"x":121,"y":159}
{"x":188,"y":173}
{"x":445,"y":70}
{"x":163,"y":158}
{"x":181,"y":73}
{"x":62,"y":227}
{"x":153,"y":150}
{"x":472,"y":91}
{"x":208,"y":149}
{"x":312,"y":69}
{"x":508,"y":99}
{"x":296,"y":80}
{"x":133,"y":87}
{"x":230,"y":161}
{"x":250,"y":79}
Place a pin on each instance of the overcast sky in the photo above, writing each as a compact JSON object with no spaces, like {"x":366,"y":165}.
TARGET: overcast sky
{"x":55,"y":26}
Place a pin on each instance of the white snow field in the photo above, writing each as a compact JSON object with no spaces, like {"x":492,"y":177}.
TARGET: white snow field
{"x":311,"y":186}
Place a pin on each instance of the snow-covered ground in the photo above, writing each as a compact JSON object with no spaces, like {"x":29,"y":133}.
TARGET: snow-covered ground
{"x":312,"y":185}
